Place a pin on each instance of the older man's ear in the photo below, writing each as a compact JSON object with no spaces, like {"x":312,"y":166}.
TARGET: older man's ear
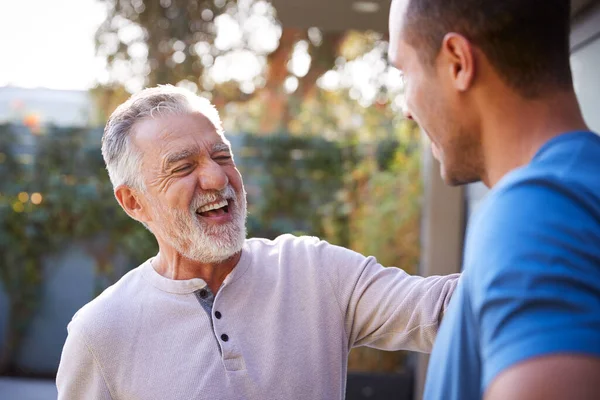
{"x":131,"y":203}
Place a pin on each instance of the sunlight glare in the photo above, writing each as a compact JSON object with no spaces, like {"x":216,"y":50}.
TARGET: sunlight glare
{"x":291,"y":84}
{"x":300,"y":61}
{"x":52,"y":47}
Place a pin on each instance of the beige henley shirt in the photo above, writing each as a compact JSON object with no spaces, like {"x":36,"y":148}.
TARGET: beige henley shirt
{"x":280,"y":327}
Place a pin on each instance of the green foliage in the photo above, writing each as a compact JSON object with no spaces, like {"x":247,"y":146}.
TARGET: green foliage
{"x":384,"y":198}
{"x":387,"y":221}
{"x":365,"y":195}
{"x":291,"y":183}
{"x":54,"y":192}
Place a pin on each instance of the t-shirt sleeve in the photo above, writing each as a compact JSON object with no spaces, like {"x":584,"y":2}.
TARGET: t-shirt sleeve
{"x":535,"y":282}
{"x":79,"y":375}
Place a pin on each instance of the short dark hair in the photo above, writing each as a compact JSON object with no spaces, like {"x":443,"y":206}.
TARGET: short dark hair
{"x":527,"y":41}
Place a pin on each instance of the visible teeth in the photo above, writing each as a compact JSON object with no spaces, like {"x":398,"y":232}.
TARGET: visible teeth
{"x":212,"y":206}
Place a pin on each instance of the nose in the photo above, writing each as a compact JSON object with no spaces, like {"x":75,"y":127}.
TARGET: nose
{"x":213,"y":177}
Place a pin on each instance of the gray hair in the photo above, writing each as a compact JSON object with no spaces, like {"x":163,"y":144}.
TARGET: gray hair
{"x":123,"y":160}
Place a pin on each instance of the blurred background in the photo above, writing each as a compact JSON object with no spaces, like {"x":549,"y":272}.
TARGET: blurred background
{"x":310,"y":104}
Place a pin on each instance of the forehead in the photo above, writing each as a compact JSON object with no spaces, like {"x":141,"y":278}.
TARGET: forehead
{"x":161,"y":135}
{"x":397,"y":22}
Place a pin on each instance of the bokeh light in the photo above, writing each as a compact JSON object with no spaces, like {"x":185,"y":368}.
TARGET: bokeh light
{"x":36,"y":198}
{"x":18,"y":207}
{"x":23,"y":197}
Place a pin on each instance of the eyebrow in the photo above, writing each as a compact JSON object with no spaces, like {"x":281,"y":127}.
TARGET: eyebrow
{"x":179,"y":155}
{"x":220,"y":147}
{"x":186,"y":153}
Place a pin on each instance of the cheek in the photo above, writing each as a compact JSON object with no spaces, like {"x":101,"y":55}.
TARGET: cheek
{"x":409,"y":97}
{"x":235,"y":178}
{"x":180,"y":193}
{"x":415,"y":97}
{"x":430,"y":102}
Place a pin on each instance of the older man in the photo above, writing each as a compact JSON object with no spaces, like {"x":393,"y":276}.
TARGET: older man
{"x":216,"y":316}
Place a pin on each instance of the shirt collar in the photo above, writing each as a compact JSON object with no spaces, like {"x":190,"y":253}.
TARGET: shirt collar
{"x":186,"y":286}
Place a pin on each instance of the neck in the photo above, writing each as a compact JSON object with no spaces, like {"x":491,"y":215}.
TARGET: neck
{"x":515,"y":128}
{"x":173,"y":265}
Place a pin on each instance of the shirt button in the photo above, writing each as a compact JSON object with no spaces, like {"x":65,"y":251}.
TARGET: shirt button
{"x":224,"y":337}
{"x":218,"y":315}
{"x":203,"y":293}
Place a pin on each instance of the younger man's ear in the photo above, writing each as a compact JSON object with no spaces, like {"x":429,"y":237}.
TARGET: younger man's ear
{"x":131,"y":203}
{"x":459,"y":57}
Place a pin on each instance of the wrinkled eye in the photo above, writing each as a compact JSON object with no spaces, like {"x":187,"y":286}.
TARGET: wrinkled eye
{"x":182,"y":168}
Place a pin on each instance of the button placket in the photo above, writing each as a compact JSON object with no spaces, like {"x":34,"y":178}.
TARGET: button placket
{"x":218,"y":315}
{"x":227,"y":345}
{"x":224,"y":336}
{"x":230,"y":352}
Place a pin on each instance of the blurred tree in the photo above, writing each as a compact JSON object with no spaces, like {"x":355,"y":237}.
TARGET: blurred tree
{"x":227,"y":50}
{"x":291,"y":181}
{"x":18,"y":274}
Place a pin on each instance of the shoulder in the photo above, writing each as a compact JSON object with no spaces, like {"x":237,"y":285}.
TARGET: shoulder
{"x":306,"y":258}
{"x":108,"y":311}
{"x":568,"y":165}
{"x":557,"y":194}
{"x":534,"y":216}
{"x":307,"y":248}
{"x":536,"y":224}
{"x":532,"y":259}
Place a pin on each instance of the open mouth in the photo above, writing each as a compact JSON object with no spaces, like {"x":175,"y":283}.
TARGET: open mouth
{"x":215,"y":209}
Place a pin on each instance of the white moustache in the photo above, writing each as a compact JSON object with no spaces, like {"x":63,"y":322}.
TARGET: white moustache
{"x":212,"y":197}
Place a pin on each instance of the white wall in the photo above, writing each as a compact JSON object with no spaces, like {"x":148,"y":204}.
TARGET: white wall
{"x":585,"y":62}
{"x":72,"y":108}
{"x":586,"y":74}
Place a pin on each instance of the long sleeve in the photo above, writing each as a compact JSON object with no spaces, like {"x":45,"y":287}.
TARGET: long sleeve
{"x":383,"y":307}
{"x":79,"y":375}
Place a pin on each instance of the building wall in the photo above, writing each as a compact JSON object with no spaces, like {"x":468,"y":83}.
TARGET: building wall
{"x":70,"y":284}
{"x":72,"y":108}
{"x":70,"y":281}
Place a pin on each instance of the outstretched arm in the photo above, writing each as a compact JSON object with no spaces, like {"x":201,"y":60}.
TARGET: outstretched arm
{"x":384,"y":307}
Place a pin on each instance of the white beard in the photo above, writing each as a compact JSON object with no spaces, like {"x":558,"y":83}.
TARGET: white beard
{"x":202,"y":242}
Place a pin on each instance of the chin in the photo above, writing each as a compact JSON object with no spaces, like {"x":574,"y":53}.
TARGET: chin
{"x":460,"y":182}
{"x":212,"y":254}
{"x":457,"y":179}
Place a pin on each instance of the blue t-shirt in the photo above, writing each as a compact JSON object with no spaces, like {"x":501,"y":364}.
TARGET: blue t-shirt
{"x":531,"y":277}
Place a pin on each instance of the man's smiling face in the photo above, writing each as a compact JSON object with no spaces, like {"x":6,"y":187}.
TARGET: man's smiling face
{"x":433,"y":98}
{"x":194,"y":193}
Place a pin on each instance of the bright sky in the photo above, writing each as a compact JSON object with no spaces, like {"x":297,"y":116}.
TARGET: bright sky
{"x":49,"y":43}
